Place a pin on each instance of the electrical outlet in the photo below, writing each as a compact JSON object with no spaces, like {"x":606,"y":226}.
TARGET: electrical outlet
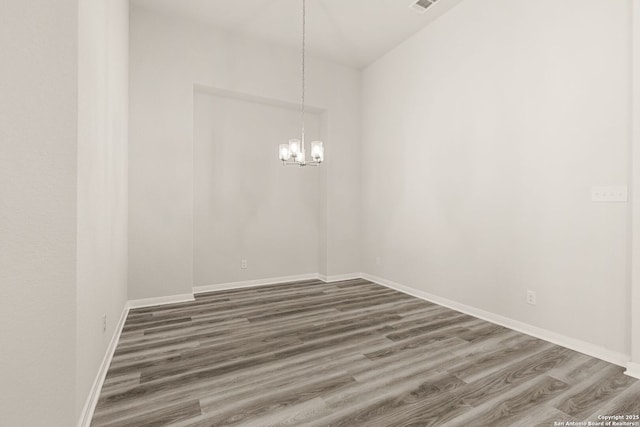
{"x":378,"y":260}
{"x":243,"y":264}
{"x":104,"y":323}
{"x":532,"y":298}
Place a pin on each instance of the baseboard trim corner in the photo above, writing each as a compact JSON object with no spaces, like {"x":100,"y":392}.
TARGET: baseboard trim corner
{"x":255,"y":283}
{"x":94,"y":393}
{"x":633,"y":370}
{"x":580,"y":346}
{"x":150,"y":302}
{"x":339,"y":277}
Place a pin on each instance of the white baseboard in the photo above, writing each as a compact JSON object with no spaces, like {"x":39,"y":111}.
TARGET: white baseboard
{"x":253,"y":283}
{"x":633,"y":370}
{"x":553,"y":337}
{"x":339,"y":277}
{"x":150,"y":302}
{"x":94,"y":393}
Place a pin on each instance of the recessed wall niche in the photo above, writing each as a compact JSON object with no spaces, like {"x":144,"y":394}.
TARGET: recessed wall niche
{"x":247,"y":205}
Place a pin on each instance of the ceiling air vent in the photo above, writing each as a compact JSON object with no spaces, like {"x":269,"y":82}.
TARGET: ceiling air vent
{"x":421,"y":6}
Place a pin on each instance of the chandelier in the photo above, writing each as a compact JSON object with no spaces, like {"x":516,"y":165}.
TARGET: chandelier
{"x":294,"y":152}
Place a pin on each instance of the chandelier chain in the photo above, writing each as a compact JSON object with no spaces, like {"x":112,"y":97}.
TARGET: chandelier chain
{"x":304,"y":28}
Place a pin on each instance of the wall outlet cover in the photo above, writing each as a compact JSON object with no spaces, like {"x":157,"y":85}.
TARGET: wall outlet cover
{"x":532,"y":298}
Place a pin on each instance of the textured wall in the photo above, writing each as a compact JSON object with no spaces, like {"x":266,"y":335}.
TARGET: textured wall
{"x":38,"y":134}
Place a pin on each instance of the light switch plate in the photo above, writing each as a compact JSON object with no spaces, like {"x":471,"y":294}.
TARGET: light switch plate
{"x":610,"y":193}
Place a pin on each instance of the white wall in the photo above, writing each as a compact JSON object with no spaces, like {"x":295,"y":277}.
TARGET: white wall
{"x":102,"y":181}
{"x":38,"y":128}
{"x":482,"y":137}
{"x":247,"y":206}
{"x":168,"y":57}
{"x":635,"y":283}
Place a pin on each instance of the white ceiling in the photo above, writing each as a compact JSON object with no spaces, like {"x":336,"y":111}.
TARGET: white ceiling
{"x":352,"y":32}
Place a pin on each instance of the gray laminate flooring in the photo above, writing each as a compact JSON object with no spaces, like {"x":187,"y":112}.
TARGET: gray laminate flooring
{"x":345,"y":354}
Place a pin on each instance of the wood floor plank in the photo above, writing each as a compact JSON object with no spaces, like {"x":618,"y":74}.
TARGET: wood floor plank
{"x":351,"y":353}
{"x":430,"y":326}
{"x":238,"y":391}
{"x":580,"y":404}
{"x":232,"y":411}
{"x":551,"y":417}
{"x":504,"y":412}
{"x":496,"y":360}
{"x":625,"y":403}
{"x":159,"y":416}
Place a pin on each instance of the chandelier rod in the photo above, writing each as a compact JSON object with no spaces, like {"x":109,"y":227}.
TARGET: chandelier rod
{"x":304,"y":30}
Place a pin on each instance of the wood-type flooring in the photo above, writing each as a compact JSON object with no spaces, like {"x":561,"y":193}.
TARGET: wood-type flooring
{"x":351,"y":353}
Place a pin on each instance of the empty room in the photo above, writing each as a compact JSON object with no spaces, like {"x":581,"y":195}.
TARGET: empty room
{"x":371,"y":213}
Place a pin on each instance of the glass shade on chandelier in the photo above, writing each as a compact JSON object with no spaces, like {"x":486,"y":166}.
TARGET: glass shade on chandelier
{"x":317,"y":151}
{"x":294,"y":153}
